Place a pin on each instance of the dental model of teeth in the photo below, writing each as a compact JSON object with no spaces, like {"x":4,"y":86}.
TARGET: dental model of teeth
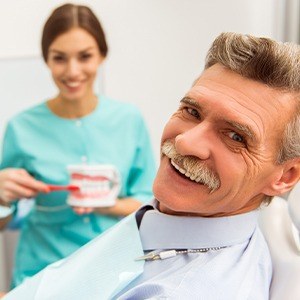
{"x":98,"y":185}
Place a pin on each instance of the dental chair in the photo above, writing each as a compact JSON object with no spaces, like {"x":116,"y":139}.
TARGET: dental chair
{"x":280,"y":224}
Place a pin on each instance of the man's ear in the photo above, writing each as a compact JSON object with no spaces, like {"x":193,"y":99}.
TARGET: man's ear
{"x":290,"y":175}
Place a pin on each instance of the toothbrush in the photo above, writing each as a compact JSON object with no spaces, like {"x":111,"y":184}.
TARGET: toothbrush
{"x":70,"y":188}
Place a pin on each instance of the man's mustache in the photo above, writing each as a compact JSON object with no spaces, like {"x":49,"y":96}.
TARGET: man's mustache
{"x":199,"y":171}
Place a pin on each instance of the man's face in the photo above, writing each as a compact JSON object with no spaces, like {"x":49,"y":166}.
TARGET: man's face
{"x":231,"y":127}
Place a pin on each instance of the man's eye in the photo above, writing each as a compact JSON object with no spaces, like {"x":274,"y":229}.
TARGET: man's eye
{"x":193,"y":112}
{"x":236,"y":137}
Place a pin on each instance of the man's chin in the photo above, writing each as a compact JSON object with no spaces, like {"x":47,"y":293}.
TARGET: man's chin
{"x":166,"y":210}
{"x":179,"y":211}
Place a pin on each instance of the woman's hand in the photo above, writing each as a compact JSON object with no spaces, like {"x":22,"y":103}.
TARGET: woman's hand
{"x":122,"y":208}
{"x":17,"y":183}
{"x":83,"y":210}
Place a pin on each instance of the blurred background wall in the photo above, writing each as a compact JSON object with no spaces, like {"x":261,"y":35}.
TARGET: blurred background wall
{"x":156,"y":49}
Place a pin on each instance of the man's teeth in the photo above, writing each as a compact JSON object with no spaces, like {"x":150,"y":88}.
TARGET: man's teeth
{"x":185,"y":173}
{"x":193,"y":177}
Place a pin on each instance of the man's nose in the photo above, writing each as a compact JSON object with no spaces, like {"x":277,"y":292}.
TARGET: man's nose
{"x":196,"y":141}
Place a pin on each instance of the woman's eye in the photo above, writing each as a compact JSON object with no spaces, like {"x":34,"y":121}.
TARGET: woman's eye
{"x":193,"y":112}
{"x":236,"y":137}
{"x":85,"y":56}
{"x":58,"y":58}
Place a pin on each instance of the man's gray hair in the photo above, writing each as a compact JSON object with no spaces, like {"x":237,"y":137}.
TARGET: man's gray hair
{"x":273,"y":63}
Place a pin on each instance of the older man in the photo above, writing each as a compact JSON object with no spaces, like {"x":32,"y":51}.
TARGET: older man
{"x":232,"y":145}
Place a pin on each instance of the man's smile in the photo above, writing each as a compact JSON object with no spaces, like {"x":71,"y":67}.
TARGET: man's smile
{"x":190,"y":167}
{"x":184,"y":172}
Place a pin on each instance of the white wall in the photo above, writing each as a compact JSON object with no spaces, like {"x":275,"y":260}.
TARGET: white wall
{"x":157,"y":47}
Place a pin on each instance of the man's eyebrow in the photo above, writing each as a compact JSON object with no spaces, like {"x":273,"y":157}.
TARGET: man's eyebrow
{"x":243,"y":128}
{"x":190,"y":101}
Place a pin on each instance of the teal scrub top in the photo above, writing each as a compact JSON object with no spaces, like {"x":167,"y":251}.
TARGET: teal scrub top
{"x":44,"y":144}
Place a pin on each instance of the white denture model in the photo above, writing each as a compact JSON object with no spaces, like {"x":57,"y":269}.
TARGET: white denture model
{"x":99,"y":185}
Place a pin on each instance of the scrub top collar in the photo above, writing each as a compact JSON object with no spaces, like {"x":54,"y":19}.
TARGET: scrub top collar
{"x":162,"y":231}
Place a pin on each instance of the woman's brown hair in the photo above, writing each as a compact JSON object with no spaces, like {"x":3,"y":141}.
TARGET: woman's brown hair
{"x":68,"y":16}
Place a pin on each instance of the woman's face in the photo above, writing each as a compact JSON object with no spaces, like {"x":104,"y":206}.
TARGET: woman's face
{"x":73,"y":59}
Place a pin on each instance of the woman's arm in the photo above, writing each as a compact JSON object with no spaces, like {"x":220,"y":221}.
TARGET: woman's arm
{"x":4,"y":221}
{"x":17,"y":183}
{"x":122,"y":208}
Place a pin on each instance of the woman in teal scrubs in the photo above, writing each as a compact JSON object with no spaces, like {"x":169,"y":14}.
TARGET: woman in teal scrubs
{"x":77,"y":126}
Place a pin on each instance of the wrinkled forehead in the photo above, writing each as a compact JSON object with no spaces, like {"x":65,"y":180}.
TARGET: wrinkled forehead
{"x":229,"y":82}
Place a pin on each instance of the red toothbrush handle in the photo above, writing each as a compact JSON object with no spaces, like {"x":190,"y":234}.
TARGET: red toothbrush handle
{"x":70,"y":188}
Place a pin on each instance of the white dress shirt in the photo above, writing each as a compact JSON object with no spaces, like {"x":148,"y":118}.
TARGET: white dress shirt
{"x":240,"y":270}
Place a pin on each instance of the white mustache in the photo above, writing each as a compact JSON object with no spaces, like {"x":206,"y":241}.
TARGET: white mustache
{"x":192,"y":165}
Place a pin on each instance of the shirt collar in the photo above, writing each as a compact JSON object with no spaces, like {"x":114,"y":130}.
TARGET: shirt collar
{"x":162,"y":231}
